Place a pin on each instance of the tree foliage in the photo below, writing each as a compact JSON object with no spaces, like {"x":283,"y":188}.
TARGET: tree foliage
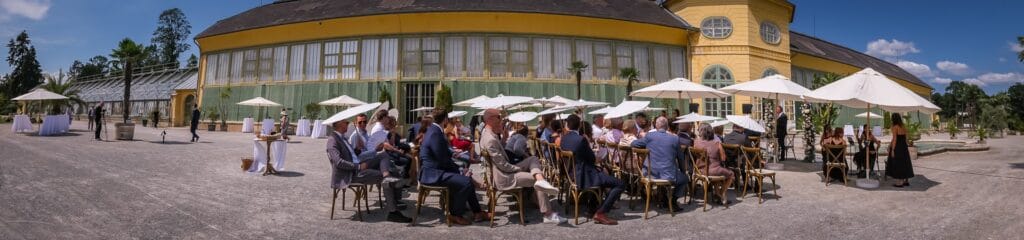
{"x":630,"y":75}
{"x":824,"y":114}
{"x":192,"y":62}
{"x":127,"y":55}
{"x":443,"y":97}
{"x":1015,"y":95}
{"x":60,"y":84}
{"x":578,"y":67}
{"x":171,"y":36}
{"x":26,"y":72}
{"x":1020,"y":55}
{"x":98,"y":65}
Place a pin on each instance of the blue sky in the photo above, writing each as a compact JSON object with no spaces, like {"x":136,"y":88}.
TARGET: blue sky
{"x":939,"y":41}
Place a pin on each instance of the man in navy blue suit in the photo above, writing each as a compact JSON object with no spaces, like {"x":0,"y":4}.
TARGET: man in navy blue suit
{"x":587,"y":175}
{"x":438,"y":169}
{"x":664,"y":156}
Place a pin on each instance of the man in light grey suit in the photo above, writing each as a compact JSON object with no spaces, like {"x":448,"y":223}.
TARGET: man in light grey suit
{"x":525,"y":173}
{"x":664,"y":156}
{"x":346,"y":169}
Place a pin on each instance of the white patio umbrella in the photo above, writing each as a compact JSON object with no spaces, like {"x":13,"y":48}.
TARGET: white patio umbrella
{"x":342,"y":101}
{"x":501,"y":102}
{"x":471,"y":101}
{"x":868,"y":88}
{"x":574,"y":105}
{"x":652,"y":109}
{"x":39,"y":95}
{"x":562,"y":116}
{"x":678,"y":88}
{"x":746,"y":122}
{"x":719,"y":123}
{"x":603,"y":110}
{"x":455,"y":114}
{"x":869,"y":115}
{"x":351,"y":112}
{"x":259,"y":102}
{"x":545,"y":102}
{"x":422,"y":109}
{"x":524,"y":106}
{"x":626,"y":108}
{"x":695,"y":117}
{"x":560,"y":99}
{"x":522,"y":116}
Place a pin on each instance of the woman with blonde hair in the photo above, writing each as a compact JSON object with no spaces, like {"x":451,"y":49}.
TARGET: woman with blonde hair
{"x":629,"y":132}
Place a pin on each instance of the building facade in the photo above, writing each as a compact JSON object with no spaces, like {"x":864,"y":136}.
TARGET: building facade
{"x":307,"y":51}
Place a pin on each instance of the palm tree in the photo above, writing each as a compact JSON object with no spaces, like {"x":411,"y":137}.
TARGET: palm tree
{"x":126,"y":54}
{"x":1020,"y":55}
{"x":60,"y":85}
{"x":578,"y":67}
{"x":630,"y":75}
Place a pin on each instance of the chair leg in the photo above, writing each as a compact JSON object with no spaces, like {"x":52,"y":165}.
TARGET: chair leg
{"x":447,"y":205}
{"x":343,"y":191}
{"x":380,"y":198}
{"x":522,"y":215}
{"x":420,"y":195}
{"x":333,"y":200}
{"x":774,"y":189}
{"x":647,"y":200}
{"x":827,"y":170}
{"x":359,"y":211}
{"x":760,"y":183}
{"x":366,"y":199}
{"x":706,"y":196}
{"x":745,"y":181}
{"x":671,"y":201}
{"x":491,"y":202}
{"x":576,"y":214}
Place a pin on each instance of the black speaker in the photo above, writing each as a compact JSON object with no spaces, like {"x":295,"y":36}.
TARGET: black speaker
{"x":747,"y":108}
{"x":694,"y":107}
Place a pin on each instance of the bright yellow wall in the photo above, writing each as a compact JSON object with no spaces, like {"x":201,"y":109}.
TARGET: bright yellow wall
{"x":825,"y":65}
{"x":412,"y":23}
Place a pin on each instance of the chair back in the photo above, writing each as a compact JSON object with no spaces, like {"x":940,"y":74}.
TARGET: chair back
{"x":613,"y":152}
{"x":754,"y":140}
{"x":753,"y":159}
{"x":414,"y":173}
{"x":489,"y":173}
{"x":534,"y":146}
{"x":642,"y":156}
{"x":699,"y":155}
{"x":568,"y":163}
{"x":834,"y":153}
{"x":683,"y":164}
{"x":732,"y":152}
{"x":625,"y":159}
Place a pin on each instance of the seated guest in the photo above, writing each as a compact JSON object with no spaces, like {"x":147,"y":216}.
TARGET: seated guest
{"x":546,"y":122}
{"x":463,"y":148}
{"x":358,"y":135}
{"x":586,"y":173}
{"x":628,"y":133}
{"x":642,"y":127}
{"x":825,"y":134}
{"x":686,"y":136}
{"x":437,"y":168}
{"x":346,"y":168}
{"x":715,"y":156}
{"x":835,"y":138}
{"x":866,"y":143}
{"x":664,"y":157}
{"x":556,"y":129}
{"x":376,"y":149}
{"x":517,"y":146}
{"x":525,"y":172}
{"x":738,"y":136}
{"x":597,"y":129}
{"x":719,"y":132}
{"x":614,"y":130}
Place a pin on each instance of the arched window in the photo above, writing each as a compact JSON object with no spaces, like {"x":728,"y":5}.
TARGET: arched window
{"x":769,"y":72}
{"x":717,"y":76}
{"x":716,"y":27}
{"x":770,"y":33}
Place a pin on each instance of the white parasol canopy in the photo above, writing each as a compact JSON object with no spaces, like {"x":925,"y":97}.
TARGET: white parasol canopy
{"x":746,"y":122}
{"x":422,"y":109}
{"x":351,"y":112}
{"x":678,"y":88}
{"x":522,"y":116}
{"x":573,"y":105}
{"x":471,"y":101}
{"x":652,"y":109}
{"x":562,"y":116}
{"x":868,"y":88}
{"x":455,"y":114}
{"x":560,"y":99}
{"x":342,"y":101}
{"x":695,"y":117}
{"x":554,"y":110}
{"x":626,"y":108}
{"x":523,"y":106}
{"x":604,"y":110}
{"x":869,"y":115}
{"x":501,"y":101}
{"x":259,"y":102}
{"x":773,"y":87}
{"x":39,"y":94}
{"x":720,"y":123}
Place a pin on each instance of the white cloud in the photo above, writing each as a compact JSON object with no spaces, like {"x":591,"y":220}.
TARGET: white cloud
{"x":919,"y":70}
{"x":996,"y":78}
{"x":954,"y":68}
{"x":975,"y":81}
{"x":939,"y":80}
{"x":1015,"y":47}
{"x":886,"y":48}
{"x":1002,"y":59}
{"x":32,"y":9}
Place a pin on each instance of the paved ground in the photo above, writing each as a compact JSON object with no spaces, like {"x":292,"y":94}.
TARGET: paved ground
{"x":73,"y":187}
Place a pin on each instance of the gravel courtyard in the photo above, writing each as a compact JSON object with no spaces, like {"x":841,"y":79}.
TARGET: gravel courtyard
{"x":72,"y":187}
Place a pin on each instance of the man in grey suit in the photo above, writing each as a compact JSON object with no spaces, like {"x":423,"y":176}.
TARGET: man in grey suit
{"x":738,"y":136}
{"x":346,"y":169}
{"x":664,"y":156}
{"x":526,"y":173}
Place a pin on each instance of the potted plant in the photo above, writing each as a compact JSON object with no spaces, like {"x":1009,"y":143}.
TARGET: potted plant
{"x":982,"y":134}
{"x":145,"y":121}
{"x":952,"y":129}
{"x":213,"y":116}
{"x":223,"y":125}
{"x":913,"y":134}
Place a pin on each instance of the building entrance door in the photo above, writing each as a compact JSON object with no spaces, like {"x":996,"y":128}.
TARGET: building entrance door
{"x":416,"y":95}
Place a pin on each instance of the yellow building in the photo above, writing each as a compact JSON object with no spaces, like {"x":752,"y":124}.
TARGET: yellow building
{"x":301,"y":52}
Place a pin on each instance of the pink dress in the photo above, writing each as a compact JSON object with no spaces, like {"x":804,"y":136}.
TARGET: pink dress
{"x":714,"y":156}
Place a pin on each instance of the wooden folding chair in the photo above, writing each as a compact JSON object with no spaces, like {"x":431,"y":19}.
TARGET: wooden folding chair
{"x":423,"y":191}
{"x":568,"y":159}
{"x":643,"y":158}
{"x":493,"y":193}
{"x":700,"y":175}
{"x":754,"y":161}
{"x":835,"y":157}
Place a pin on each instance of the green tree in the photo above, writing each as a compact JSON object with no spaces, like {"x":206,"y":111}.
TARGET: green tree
{"x":578,"y":67}
{"x":630,"y":75}
{"x":1020,"y":55}
{"x":964,"y":98}
{"x":60,"y":84}
{"x":152,"y":59}
{"x":193,"y":61}
{"x":825,"y":114}
{"x":26,"y":72}
{"x":127,"y":55}
{"x":1016,"y":95}
{"x":171,"y":36}
{"x":443,"y":97}
{"x":384,"y":96}
{"x":98,"y":65}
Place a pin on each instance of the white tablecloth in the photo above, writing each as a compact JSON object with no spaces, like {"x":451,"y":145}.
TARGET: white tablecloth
{"x":279,"y":149}
{"x":303,"y":128}
{"x":267,"y":126}
{"x":21,"y":124}
{"x":247,"y":125}
{"x":319,"y":129}
{"x":54,"y":124}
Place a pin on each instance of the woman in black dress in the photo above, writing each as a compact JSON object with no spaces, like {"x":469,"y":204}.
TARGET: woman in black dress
{"x":899,"y":166}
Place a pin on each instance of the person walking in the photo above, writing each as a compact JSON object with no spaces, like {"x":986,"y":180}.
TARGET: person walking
{"x":98,"y":119}
{"x":89,"y":114}
{"x":284,"y":124}
{"x":780,"y":131}
{"x":194,"y":123}
{"x":899,"y":166}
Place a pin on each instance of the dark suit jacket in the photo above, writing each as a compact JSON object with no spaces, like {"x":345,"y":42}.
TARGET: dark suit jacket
{"x":195,"y":117}
{"x":413,"y":130}
{"x":97,"y":114}
{"x":586,"y":165}
{"x":342,"y":164}
{"x":737,"y":138}
{"x":435,"y":156}
{"x":780,"y":126}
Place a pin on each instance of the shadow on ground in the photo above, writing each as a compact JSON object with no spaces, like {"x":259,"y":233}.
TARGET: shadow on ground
{"x":1019,"y":165}
{"x":289,"y":174}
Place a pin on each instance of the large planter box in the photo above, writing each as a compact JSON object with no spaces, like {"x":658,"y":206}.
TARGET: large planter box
{"x":124,"y":131}
{"x":212,"y":127}
{"x":913,"y":153}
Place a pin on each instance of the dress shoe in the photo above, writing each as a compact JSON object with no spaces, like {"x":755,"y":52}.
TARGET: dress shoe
{"x":458,"y":220}
{"x":482,"y":216}
{"x":600,"y":218}
{"x":398,"y":217}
